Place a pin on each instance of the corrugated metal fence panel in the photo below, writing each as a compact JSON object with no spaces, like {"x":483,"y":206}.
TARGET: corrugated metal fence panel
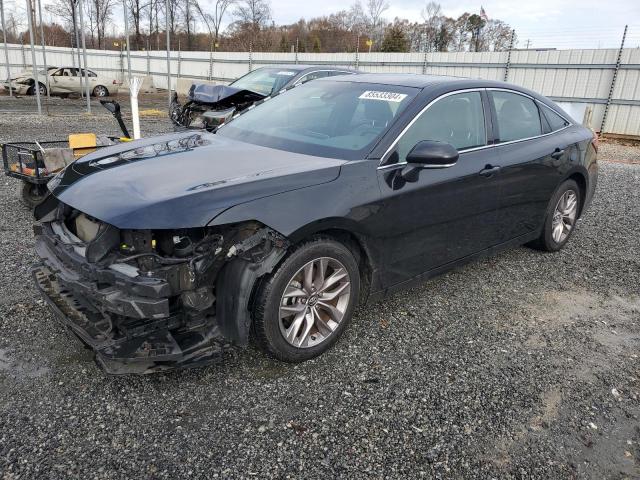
{"x":575,"y":76}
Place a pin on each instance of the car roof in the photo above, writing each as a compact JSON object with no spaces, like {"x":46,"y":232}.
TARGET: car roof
{"x":303,"y":68}
{"x":429,"y":82}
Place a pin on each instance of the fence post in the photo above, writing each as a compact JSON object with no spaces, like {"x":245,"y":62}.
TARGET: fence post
{"x":613,"y":81}
{"x":508,"y":64}
{"x":179,"y":57}
{"x":125,"y":13}
{"x":122,"y":61}
{"x":424,"y":61}
{"x":357,"y":62}
{"x":6,"y":49}
{"x":250,"y":56}
{"x":148,"y":60}
{"x":211,"y":60}
{"x":24,"y":58}
{"x":297,"y":47}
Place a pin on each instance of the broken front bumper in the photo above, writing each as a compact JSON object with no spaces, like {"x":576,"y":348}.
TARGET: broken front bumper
{"x":126,"y":321}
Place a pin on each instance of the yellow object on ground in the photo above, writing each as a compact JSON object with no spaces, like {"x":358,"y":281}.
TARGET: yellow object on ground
{"x":82,"y":143}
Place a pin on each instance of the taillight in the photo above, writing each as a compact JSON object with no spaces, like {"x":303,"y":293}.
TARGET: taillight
{"x":595,"y":141}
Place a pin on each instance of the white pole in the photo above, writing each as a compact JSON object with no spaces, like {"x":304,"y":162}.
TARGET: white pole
{"x":134,"y":87}
{"x":6,"y":48}
{"x":36,"y":85}
{"x":44,"y":50}
{"x":77,"y":35}
{"x":84,"y":55}
{"x":126,"y":31}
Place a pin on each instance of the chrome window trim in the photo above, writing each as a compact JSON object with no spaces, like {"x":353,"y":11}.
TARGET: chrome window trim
{"x":418,"y":115}
{"x":299,"y":81}
{"x":559,"y":114}
{"x":474,"y":149}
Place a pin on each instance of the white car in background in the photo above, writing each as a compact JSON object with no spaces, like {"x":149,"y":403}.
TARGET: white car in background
{"x":65,"y":81}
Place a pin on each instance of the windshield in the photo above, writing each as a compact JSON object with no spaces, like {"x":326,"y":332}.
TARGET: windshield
{"x":265,"y":80}
{"x":323,"y":118}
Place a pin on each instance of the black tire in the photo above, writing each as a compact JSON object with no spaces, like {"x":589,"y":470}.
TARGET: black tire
{"x":266,"y":311}
{"x":32,"y":194}
{"x":545,"y":241}
{"x":100,"y":91}
{"x":32,"y":91}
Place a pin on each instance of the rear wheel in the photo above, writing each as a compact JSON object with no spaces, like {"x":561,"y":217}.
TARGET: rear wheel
{"x":100,"y":91}
{"x":304,"y":306}
{"x":32,"y":194}
{"x":560,"y":221}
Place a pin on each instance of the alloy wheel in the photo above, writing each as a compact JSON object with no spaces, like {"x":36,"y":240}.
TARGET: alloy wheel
{"x":564,"y":216}
{"x":100,"y":91}
{"x":314,"y":302}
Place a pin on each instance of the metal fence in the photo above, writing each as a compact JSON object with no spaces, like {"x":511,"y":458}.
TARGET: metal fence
{"x":606,"y":80}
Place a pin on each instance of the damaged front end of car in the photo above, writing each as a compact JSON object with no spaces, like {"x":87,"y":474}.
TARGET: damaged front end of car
{"x":150,"y":300}
{"x":209,"y":106}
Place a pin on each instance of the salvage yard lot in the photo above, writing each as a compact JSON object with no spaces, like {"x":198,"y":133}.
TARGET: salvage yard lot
{"x":522,"y":365}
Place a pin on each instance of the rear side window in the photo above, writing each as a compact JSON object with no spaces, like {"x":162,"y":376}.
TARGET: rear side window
{"x":456,"y":119}
{"x":518,"y":116}
{"x":556,"y":122}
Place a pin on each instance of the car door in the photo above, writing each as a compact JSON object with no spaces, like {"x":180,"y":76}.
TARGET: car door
{"x":447,"y":213}
{"x":56,"y":81}
{"x":62,"y":81}
{"x":531,"y":159}
{"x":90,"y":78}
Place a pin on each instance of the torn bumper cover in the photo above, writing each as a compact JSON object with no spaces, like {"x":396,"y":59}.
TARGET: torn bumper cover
{"x":134,"y":323}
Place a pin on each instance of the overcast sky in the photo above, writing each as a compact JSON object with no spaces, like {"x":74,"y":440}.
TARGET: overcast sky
{"x":545,"y":23}
{"x":565,"y":23}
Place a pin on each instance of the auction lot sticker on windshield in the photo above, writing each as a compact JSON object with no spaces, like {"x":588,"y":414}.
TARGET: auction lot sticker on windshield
{"x":287,"y":73}
{"x":384,"y":96}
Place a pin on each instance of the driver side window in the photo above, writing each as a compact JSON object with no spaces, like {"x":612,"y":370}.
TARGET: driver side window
{"x":456,"y":119}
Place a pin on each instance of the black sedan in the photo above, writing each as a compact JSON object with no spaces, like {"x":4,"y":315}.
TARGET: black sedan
{"x":275,"y":227}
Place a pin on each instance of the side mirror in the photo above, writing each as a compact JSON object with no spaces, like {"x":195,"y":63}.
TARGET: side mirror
{"x":432,"y":154}
{"x":428,"y":154}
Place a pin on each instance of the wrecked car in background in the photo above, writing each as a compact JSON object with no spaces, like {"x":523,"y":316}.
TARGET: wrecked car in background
{"x":209,"y":106}
{"x":65,"y":81}
{"x":275,"y":227}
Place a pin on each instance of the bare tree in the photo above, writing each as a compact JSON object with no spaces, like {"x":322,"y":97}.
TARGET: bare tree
{"x":375,"y":9}
{"x":136,"y":12}
{"x":253,"y":13}
{"x":496,"y":36}
{"x":189,"y":19}
{"x":102,"y":10}
{"x":213,"y":21}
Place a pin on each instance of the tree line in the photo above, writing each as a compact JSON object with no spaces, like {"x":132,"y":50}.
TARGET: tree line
{"x":241,"y":25}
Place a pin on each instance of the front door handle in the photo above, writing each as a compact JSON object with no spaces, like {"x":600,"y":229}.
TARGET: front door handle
{"x":489,"y":170}
{"x":557,"y":153}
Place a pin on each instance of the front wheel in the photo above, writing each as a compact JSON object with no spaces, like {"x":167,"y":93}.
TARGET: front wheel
{"x":32,"y":194}
{"x":561,"y":217}
{"x":304,"y":306}
{"x":43,"y":90}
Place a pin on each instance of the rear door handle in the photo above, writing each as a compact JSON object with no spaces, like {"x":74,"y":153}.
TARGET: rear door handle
{"x":489,"y":170}
{"x":557,"y":153}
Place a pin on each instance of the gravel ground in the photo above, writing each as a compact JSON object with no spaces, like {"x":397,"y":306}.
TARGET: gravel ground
{"x":524,"y":365}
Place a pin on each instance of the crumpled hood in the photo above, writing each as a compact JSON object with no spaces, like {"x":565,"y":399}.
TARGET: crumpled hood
{"x":221,"y":95}
{"x":186,"y":187}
